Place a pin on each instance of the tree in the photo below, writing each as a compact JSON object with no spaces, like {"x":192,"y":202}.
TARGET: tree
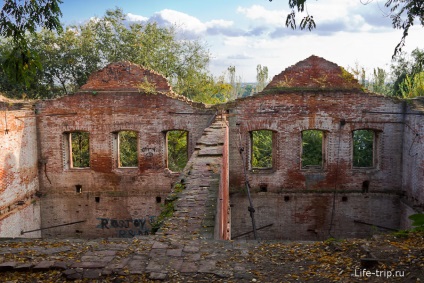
{"x":261,"y":77}
{"x":405,"y":67}
{"x":127,"y":149}
{"x":177,"y":150}
{"x":261,"y":148}
{"x":403,"y":15}
{"x":312,"y":148}
{"x":412,"y":86}
{"x":68,"y":58}
{"x":379,"y":84}
{"x":234,"y":82}
{"x":363,"y":147}
{"x":17,"y":18}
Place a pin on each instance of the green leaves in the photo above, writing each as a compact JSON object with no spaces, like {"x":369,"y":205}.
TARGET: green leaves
{"x":262,"y":149}
{"x":417,"y":221}
{"x":312,"y":141}
{"x":128,"y":156}
{"x":307,"y":22}
{"x":403,"y":15}
{"x":19,"y":17}
{"x":176,"y":142}
{"x":80,"y":144}
{"x":363,"y":148}
{"x":16,"y":19}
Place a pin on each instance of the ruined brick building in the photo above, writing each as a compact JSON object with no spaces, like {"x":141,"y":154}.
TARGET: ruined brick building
{"x":42,"y":187}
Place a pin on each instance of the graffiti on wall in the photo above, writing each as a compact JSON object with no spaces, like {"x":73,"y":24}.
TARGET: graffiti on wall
{"x":127,"y":228}
{"x":148,"y":151}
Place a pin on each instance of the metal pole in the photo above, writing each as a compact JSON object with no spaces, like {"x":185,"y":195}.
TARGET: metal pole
{"x":251,"y":209}
{"x":71,"y":223}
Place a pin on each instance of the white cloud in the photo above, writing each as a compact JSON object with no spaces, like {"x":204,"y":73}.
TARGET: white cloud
{"x":136,"y":18}
{"x":185,"y":22}
{"x":219,"y":23}
{"x":259,"y":13}
{"x":239,"y":41}
{"x":240,"y":56}
{"x":192,"y":27}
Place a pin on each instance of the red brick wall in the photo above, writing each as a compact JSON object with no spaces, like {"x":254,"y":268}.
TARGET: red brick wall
{"x":19,"y":206}
{"x":413,"y":161}
{"x":312,"y":216}
{"x":223,"y":208}
{"x":124,"y":194}
{"x":288,"y":114}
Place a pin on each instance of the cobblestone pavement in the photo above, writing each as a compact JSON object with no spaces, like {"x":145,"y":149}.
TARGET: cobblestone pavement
{"x":158,"y":258}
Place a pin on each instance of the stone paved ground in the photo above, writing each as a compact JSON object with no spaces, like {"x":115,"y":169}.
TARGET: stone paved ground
{"x":150,"y":258}
{"x":195,"y":209}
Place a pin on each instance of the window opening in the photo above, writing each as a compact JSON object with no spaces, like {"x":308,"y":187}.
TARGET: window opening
{"x":177,"y":150}
{"x":363,"y":148}
{"x":127,"y":145}
{"x":78,"y":149}
{"x":312,"y":148}
{"x":261,"y":149}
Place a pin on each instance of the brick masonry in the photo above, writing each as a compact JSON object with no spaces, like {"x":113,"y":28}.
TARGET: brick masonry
{"x":108,"y":201}
{"x":19,"y":205}
{"x":316,"y":94}
{"x":113,"y":202}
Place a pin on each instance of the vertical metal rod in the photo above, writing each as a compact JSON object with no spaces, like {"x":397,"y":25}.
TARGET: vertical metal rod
{"x":251,"y":209}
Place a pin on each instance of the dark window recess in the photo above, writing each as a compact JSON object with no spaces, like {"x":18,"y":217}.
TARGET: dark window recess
{"x":261,"y":152}
{"x":365,"y":186}
{"x":286,"y":198}
{"x":263,"y":187}
{"x":344,"y":198}
{"x":78,"y":189}
{"x":158,"y":199}
{"x":97,"y":199}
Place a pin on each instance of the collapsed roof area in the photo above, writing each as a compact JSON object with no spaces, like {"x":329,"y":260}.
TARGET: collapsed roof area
{"x":321,"y":158}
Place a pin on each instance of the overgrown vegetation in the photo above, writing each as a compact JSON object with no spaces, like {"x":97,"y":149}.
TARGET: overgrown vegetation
{"x":417,"y":222}
{"x":168,"y":207}
{"x":363,"y":148}
{"x":80,"y":144}
{"x":312,"y":148}
{"x":261,"y":149}
{"x":177,"y":150}
{"x":405,"y":78}
{"x":57,"y":64}
{"x":128,"y":156}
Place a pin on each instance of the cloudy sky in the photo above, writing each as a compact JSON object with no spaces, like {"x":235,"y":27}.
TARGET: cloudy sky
{"x":245,"y":33}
